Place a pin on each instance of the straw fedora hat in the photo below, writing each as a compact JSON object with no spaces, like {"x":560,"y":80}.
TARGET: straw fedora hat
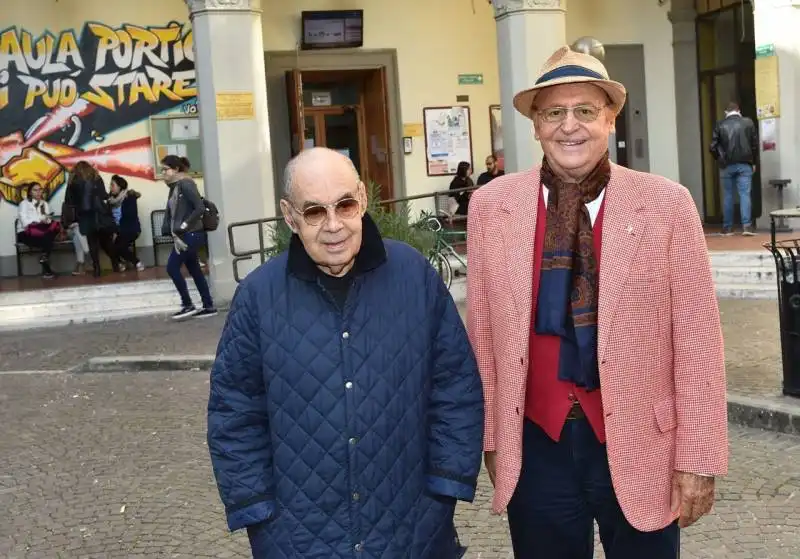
{"x":568,"y":66}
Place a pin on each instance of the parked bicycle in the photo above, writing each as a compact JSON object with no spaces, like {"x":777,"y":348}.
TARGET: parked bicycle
{"x":443,"y":250}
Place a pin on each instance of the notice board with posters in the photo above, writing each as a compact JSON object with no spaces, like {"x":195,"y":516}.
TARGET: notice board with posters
{"x":177,"y":135}
{"x":448,"y":138}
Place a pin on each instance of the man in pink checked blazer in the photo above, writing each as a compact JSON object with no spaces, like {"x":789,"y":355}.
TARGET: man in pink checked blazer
{"x":593,"y":316}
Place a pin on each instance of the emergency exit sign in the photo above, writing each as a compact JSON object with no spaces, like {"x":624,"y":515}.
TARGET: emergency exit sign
{"x":470,"y":79}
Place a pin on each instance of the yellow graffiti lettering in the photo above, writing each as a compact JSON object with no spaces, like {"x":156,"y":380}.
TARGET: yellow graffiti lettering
{"x":121,"y":81}
{"x":4,"y":90}
{"x":69,"y":92}
{"x":141,"y":86}
{"x":68,"y":49}
{"x":35,"y":61}
{"x":98,"y":95}
{"x":161,"y":85}
{"x":145,"y":44}
{"x":182,"y":84}
{"x":36,"y":88}
{"x":11,"y":51}
{"x":166,"y":35}
{"x":52,"y":95}
{"x":123,"y":54}
{"x":107,"y":41}
{"x":188,"y":46}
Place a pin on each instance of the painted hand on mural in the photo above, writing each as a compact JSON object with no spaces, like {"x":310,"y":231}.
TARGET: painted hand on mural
{"x":60,"y":98}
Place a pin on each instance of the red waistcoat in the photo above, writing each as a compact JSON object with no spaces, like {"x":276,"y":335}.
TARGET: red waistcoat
{"x":547,"y":399}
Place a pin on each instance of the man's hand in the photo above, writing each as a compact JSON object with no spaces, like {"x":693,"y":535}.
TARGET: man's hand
{"x":692,"y":495}
{"x":490,"y":459}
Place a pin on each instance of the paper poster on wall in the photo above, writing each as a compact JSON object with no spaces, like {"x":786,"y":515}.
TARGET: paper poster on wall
{"x":184,"y":129}
{"x":769,"y":134}
{"x":496,"y":131}
{"x":171,"y":149}
{"x":448,"y":138}
{"x":767,"y":87}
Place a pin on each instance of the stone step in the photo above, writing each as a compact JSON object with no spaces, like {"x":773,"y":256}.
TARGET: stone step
{"x":744,"y":274}
{"x":97,"y":303}
{"x":747,"y":291}
{"x":740,"y":258}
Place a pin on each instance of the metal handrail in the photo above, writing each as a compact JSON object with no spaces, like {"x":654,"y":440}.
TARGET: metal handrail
{"x":262,"y":250}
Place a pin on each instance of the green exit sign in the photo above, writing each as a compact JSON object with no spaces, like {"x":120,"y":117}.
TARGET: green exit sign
{"x":762,"y":51}
{"x":470,"y":79}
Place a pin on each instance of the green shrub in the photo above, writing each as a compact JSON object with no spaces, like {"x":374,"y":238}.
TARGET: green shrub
{"x":395,"y":225}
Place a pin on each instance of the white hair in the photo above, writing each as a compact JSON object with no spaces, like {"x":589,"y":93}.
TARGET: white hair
{"x":290,"y":170}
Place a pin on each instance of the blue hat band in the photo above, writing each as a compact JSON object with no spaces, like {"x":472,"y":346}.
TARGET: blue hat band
{"x":570,"y":71}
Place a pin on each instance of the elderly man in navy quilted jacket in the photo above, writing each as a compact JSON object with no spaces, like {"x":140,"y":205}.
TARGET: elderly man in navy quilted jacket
{"x":346,"y":411}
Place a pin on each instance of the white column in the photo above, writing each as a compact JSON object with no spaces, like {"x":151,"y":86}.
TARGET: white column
{"x":776,"y":23}
{"x":237,"y":157}
{"x":528,"y":32}
{"x":687,"y":101}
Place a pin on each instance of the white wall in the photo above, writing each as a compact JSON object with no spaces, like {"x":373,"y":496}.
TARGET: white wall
{"x":639,"y":22}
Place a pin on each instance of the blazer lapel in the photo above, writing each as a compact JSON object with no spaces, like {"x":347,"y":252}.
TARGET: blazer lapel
{"x":624,"y":224}
{"x":519,"y":231}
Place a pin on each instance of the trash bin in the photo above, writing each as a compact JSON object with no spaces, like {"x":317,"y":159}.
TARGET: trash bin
{"x":787,"y":264}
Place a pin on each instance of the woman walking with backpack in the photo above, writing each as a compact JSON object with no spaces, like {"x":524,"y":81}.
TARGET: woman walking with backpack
{"x":184,"y":222}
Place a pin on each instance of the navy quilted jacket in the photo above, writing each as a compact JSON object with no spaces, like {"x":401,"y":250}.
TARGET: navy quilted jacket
{"x":346,"y":433}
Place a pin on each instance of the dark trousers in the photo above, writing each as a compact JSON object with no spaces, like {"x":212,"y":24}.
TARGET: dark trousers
{"x":101,"y":239}
{"x":189,"y":259}
{"x":123,"y":248}
{"x":44,"y":243}
{"x":563,"y":487}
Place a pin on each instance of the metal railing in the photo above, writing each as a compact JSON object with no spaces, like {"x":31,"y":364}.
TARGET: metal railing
{"x":265,"y":227}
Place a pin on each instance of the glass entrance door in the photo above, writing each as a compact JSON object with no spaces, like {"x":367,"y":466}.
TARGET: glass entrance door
{"x":726,"y":63}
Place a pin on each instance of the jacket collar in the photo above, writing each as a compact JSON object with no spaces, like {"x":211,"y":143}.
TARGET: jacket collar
{"x":371,"y":255}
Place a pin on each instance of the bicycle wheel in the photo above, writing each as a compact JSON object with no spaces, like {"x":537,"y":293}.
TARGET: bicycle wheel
{"x":442,"y":266}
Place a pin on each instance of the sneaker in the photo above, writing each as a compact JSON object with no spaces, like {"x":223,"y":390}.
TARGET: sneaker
{"x":139,"y":267}
{"x":727,"y":232}
{"x":748,"y":231}
{"x":48,"y":275}
{"x":185,"y":312}
{"x":205,"y":313}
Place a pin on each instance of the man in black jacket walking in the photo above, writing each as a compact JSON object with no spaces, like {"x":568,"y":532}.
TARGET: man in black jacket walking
{"x":734,"y":145}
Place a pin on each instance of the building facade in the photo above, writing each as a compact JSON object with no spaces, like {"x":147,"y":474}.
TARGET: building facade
{"x":229,"y":84}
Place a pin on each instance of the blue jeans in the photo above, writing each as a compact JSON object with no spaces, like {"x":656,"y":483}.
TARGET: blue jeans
{"x":564,"y":486}
{"x":188,"y":258}
{"x":740,"y":176}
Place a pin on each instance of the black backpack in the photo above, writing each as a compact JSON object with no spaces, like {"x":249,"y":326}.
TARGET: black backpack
{"x":210,"y":215}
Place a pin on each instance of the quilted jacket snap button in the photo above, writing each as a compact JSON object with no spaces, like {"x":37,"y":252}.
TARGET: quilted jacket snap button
{"x":346,"y":335}
{"x":358,"y":547}
{"x":348,"y":385}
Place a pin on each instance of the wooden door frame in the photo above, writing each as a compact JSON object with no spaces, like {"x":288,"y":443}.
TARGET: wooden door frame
{"x":319,"y":114}
{"x":277,"y":62}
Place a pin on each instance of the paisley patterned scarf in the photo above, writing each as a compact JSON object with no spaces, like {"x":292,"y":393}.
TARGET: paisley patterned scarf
{"x":568,"y":283}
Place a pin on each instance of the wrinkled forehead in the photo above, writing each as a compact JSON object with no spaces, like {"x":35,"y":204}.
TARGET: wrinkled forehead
{"x":570,"y":95}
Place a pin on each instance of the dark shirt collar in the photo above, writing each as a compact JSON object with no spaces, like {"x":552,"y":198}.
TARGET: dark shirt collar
{"x":371,"y":255}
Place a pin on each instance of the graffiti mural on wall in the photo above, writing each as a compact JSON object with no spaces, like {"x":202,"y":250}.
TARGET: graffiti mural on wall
{"x":60,"y":95}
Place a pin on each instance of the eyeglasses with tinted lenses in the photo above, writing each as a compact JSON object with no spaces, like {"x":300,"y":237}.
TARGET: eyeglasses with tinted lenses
{"x":346,"y":208}
{"x":583,"y":113}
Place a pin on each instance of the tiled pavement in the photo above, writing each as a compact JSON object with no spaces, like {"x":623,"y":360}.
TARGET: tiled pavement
{"x":115,"y":465}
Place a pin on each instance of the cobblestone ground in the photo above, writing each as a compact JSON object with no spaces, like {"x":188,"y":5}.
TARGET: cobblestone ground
{"x":751,"y":344}
{"x":115,"y":465}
